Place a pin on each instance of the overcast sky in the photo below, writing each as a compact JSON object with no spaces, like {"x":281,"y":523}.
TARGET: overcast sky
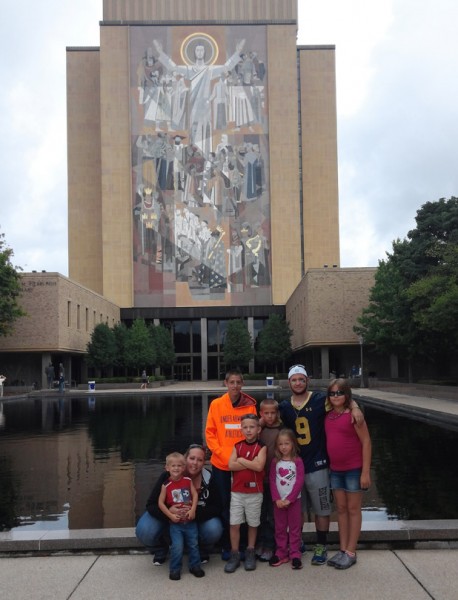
{"x":397,"y":108}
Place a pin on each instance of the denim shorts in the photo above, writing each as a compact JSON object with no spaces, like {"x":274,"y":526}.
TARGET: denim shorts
{"x":349,"y":481}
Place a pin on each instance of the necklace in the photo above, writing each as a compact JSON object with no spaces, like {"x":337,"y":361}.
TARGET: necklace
{"x":333,"y":415}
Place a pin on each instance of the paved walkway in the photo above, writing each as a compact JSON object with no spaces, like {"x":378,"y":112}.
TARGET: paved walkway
{"x":427,"y":570}
{"x":379,"y":574}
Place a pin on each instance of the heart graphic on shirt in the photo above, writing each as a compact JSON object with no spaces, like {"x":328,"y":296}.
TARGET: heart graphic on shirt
{"x":282,"y":482}
{"x":283,"y":472}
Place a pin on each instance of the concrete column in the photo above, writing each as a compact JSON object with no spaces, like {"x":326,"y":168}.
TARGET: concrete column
{"x":157,"y":370}
{"x":251,"y":332}
{"x":45,"y":360}
{"x":204,"y":348}
{"x":324,"y":362}
{"x":394,"y":366}
{"x":84,"y":376}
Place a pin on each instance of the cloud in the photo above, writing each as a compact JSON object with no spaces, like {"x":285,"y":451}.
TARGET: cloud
{"x":397,"y":150}
{"x":396,"y":66}
{"x":33,"y":180}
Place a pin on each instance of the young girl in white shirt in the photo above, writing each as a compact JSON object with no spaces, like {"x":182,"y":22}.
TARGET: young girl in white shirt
{"x":286,"y":481}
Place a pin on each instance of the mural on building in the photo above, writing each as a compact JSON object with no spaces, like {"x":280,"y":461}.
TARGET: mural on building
{"x":200,"y":169}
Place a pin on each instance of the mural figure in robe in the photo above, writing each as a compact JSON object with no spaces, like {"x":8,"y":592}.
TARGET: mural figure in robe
{"x":200,"y":76}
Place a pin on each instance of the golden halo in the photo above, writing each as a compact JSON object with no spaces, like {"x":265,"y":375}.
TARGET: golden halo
{"x":189,"y":44}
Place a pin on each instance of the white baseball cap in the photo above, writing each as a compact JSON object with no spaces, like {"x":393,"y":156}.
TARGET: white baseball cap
{"x":297,"y":370}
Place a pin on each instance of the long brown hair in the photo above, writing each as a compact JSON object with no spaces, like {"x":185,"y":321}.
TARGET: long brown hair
{"x":343,"y":386}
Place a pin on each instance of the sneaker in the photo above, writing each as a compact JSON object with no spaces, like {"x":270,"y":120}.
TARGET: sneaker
{"x":276,"y":562}
{"x":335,"y":560}
{"x":320,"y":555}
{"x":296,"y":563}
{"x":204,"y":558}
{"x":250,"y":559}
{"x":175,"y":575}
{"x":233,"y":563}
{"x":346,"y":561}
{"x":303,"y":548}
{"x":266,"y":555}
{"x":197,"y":572}
{"x":225,"y":554}
{"x":159,"y":559}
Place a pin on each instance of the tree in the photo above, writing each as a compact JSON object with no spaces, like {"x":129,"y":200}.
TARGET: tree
{"x":10,"y":290}
{"x":238,"y":346}
{"x":163,"y":346}
{"x":102,"y":350}
{"x":274,"y":342}
{"x":413,"y":306}
{"x":139,"y":351}
{"x":120,"y":333}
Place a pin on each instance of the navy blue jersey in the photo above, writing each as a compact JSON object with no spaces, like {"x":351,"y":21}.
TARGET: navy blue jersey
{"x":308,"y":424}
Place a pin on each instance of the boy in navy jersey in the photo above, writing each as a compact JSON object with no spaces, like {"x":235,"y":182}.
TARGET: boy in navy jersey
{"x":247,"y":463}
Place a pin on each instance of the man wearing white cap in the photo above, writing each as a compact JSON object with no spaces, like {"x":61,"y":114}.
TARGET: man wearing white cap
{"x":304,"y":413}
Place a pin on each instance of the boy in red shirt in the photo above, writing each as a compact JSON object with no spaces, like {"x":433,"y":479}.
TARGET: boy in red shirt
{"x":178,"y":501}
{"x":246,"y":462}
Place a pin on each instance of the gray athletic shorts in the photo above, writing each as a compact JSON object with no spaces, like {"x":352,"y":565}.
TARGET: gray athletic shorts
{"x":316,"y":493}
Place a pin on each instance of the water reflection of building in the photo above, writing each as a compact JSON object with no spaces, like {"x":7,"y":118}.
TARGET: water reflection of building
{"x":203,"y":175}
{"x":90,"y":469}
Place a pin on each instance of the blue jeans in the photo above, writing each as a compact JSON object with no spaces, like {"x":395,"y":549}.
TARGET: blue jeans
{"x":181,"y":534}
{"x":150,"y":530}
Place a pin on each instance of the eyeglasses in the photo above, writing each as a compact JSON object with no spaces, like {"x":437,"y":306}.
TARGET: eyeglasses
{"x":338,"y":393}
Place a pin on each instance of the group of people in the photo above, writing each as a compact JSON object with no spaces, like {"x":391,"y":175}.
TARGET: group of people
{"x":51,"y":375}
{"x":269,"y":471}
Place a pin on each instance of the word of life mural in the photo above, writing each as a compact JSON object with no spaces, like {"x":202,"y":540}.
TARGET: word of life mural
{"x":200,"y":166}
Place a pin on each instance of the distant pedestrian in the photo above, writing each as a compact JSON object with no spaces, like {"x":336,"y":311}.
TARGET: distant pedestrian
{"x":2,"y":379}
{"x":61,"y":378}
{"x":144,"y":384}
{"x":50,"y":375}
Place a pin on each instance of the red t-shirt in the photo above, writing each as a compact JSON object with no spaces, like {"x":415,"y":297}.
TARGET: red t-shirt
{"x":248,"y":481}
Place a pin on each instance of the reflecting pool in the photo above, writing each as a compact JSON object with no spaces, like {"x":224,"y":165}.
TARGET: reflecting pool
{"x":89,"y":462}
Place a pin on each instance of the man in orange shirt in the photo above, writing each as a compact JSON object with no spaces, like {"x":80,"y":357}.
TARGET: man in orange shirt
{"x":222,"y":432}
